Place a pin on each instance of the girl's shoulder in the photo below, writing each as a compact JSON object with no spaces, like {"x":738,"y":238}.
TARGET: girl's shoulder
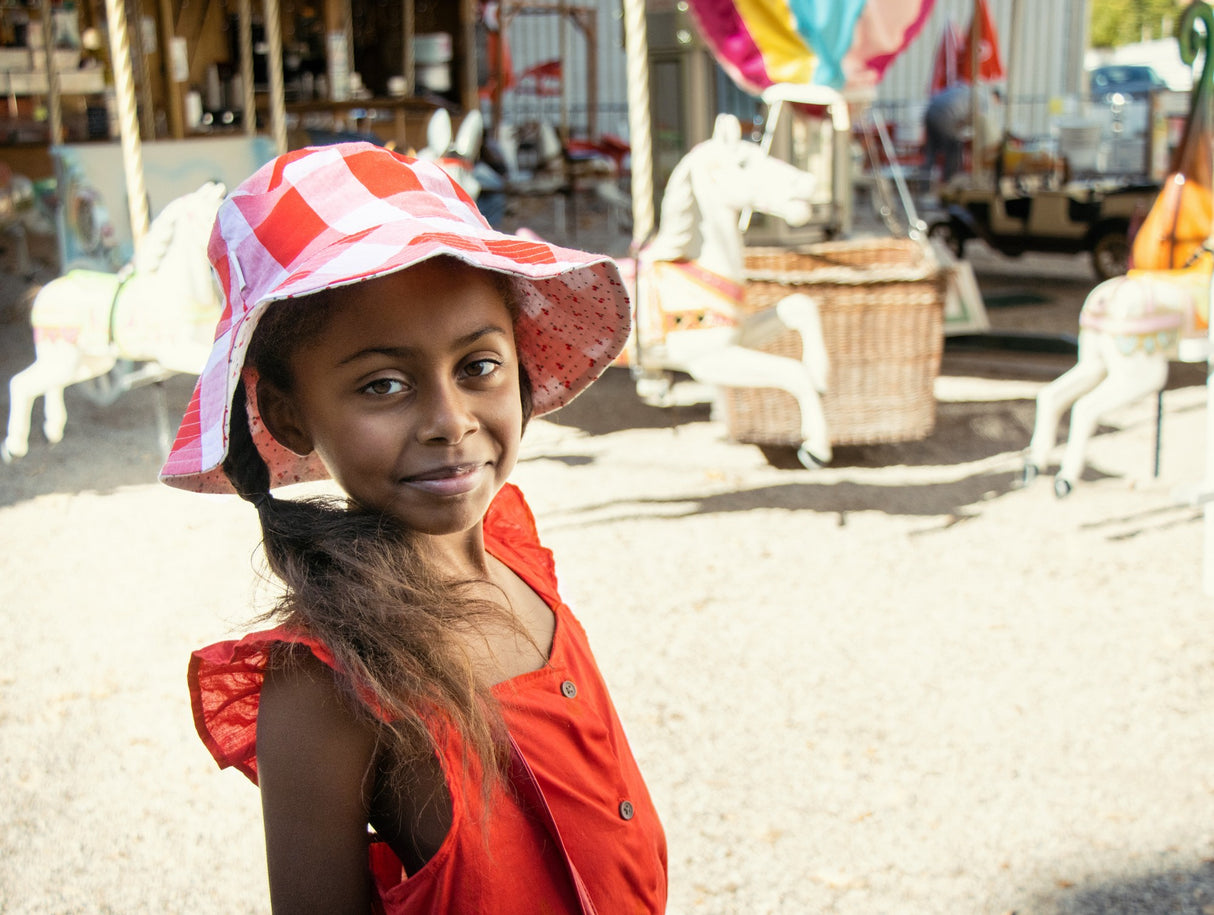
{"x":226,"y":681}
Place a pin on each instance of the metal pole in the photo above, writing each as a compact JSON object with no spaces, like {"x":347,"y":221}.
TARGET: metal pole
{"x":976,"y":165}
{"x":139,"y":62}
{"x":128,"y":126}
{"x":469,"y":91}
{"x":563,"y":55}
{"x":53,"y":101}
{"x":640,"y":138}
{"x":1013,"y":47}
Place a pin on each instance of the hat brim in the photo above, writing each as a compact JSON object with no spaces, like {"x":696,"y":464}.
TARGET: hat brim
{"x":574,"y":319}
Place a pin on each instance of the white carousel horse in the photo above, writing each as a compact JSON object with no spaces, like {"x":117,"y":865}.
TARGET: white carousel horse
{"x":690,"y":283}
{"x":159,"y":311}
{"x":455,"y":152}
{"x":1130,"y":327}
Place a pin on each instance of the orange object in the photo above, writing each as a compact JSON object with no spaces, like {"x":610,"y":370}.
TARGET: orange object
{"x":1179,"y":221}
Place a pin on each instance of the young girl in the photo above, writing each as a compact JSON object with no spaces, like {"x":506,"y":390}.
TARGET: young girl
{"x":425,"y":719}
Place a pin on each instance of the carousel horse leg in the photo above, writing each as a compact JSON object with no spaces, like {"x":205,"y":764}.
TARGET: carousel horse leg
{"x":55,"y":368}
{"x":1056,"y":398}
{"x":729,"y":365}
{"x":799,"y":312}
{"x":50,"y":371}
{"x":1130,"y":378}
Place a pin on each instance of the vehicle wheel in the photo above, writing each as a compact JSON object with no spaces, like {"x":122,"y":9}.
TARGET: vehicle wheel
{"x":944,"y":232}
{"x":1111,"y":255}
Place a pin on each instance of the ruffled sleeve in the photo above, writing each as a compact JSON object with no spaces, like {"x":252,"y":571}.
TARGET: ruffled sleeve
{"x":511,"y":535}
{"x":225,"y":692}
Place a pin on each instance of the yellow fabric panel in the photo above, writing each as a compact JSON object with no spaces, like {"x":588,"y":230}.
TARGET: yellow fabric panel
{"x":770,"y":22}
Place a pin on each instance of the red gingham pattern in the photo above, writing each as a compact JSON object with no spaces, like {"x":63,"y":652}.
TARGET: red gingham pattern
{"x":334,"y":215}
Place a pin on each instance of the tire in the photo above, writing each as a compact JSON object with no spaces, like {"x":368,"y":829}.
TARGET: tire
{"x":1111,"y":254}
{"x":944,"y":232}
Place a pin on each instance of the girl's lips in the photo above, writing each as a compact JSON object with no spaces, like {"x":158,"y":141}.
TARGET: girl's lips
{"x":448,"y":481}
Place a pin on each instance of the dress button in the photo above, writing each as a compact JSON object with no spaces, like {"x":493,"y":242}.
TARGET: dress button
{"x":626,"y":810}
{"x":568,"y":689}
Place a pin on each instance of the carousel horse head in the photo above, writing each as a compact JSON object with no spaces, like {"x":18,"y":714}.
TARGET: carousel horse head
{"x":690,"y":284}
{"x":710,"y":188}
{"x":158,"y":312}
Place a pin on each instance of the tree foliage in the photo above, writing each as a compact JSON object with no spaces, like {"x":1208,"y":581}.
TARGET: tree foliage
{"x":1118,"y":22}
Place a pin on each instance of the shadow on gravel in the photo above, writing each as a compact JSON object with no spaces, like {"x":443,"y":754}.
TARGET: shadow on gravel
{"x":965,"y":431}
{"x":1177,"y":892}
{"x":611,"y":404}
{"x":842,"y":497}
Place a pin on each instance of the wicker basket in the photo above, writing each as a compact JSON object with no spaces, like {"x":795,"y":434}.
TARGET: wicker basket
{"x":881,"y":303}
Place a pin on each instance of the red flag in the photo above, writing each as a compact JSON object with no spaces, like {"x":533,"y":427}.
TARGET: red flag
{"x":945,"y":68}
{"x":990,"y":62}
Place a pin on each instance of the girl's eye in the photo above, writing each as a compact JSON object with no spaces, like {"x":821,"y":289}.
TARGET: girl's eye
{"x":384,"y":386}
{"x":481,"y":368}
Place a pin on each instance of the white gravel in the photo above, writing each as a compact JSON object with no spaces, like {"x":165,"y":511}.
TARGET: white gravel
{"x":900,"y":684}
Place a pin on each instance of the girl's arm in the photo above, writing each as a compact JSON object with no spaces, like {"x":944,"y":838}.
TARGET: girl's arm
{"x":313,"y":762}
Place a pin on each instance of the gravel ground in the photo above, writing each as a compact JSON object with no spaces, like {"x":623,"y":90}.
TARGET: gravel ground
{"x":899,"y":684}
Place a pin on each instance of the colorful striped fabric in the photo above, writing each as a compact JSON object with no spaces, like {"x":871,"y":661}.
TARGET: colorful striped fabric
{"x":836,"y":43}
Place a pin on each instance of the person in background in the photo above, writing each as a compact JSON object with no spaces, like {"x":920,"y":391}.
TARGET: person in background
{"x":949,"y":125}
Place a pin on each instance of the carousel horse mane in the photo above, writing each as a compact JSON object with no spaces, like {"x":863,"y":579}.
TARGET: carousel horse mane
{"x":176,"y":236}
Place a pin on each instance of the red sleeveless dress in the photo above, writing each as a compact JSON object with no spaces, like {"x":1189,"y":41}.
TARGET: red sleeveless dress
{"x":564,"y":726}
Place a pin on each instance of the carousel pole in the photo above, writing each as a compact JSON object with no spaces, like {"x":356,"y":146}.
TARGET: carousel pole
{"x":636,"y":44}
{"x":128,"y":124}
{"x":278,"y":101}
{"x":53,"y":100}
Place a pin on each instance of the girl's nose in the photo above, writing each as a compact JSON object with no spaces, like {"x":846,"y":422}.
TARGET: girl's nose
{"x":446,"y":415}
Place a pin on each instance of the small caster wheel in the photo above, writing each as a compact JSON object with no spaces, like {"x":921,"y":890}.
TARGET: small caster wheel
{"x":1030,"y":473}
{"x":1062,"y":487}
{"x":809,"y":460}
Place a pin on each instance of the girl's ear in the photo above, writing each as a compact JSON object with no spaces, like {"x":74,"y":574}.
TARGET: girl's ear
{"x":281,"y":419}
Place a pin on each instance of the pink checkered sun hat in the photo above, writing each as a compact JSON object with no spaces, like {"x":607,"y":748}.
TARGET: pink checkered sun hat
{"x":336,"y":215}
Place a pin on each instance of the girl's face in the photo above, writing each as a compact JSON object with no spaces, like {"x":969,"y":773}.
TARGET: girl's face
{"x":410,"y":395}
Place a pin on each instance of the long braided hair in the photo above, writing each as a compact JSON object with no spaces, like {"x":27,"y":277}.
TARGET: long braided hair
{"x":355,"y":580}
